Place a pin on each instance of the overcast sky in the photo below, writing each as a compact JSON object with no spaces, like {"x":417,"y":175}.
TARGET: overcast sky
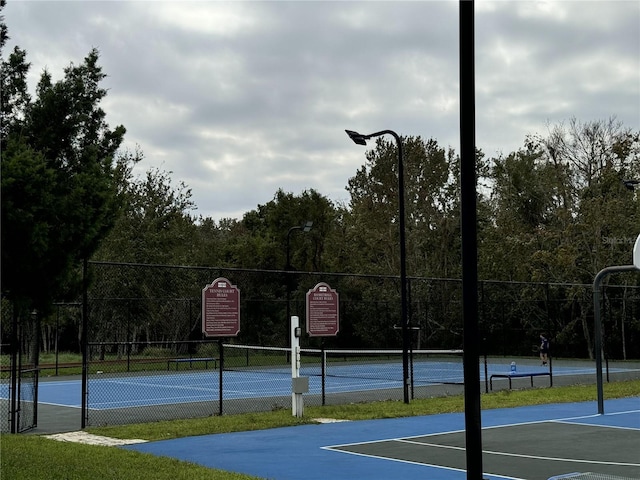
{"x":239,"y":99}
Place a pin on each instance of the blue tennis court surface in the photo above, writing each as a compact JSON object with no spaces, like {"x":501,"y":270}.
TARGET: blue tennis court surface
{"x":532,"y":443}
{"x":189,"y":387}
{"x":198,"y":386}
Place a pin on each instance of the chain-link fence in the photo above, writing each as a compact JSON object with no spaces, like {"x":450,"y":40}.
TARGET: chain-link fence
{"x":133,"y":382}
{"x":138,"y":303}
{"x":5,"y":391}
{"x":145,"y":329}
{"x":147,"y":358}
{"x":512,"y":315}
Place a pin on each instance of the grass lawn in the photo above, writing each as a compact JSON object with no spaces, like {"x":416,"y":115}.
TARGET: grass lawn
{"x":37,"y":458}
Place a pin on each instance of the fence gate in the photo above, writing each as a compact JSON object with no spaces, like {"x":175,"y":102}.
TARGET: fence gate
{"x":19,"y":387}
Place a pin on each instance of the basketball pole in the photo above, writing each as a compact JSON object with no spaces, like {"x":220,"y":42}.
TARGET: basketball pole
{"x":597,"y":292}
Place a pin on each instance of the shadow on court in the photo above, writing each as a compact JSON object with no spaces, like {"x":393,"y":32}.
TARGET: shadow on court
{"x":532,"y":443}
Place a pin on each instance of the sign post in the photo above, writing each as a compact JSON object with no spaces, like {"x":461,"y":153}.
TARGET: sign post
{"x":220,"y":317}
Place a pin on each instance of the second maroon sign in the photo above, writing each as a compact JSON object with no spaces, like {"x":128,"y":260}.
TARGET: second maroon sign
{"x":322,"y":311}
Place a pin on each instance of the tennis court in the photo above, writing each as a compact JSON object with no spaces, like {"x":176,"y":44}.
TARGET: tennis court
{"x":532,"y":443}
{"x":117,"y":391}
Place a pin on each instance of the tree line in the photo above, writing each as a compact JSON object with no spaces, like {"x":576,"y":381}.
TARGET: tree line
{"x":559,"y":209}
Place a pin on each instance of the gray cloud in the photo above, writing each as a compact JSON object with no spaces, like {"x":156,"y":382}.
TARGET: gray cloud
{"x":239,"y":99}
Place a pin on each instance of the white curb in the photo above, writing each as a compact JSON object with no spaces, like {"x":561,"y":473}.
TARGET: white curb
{"x":90,"y":439}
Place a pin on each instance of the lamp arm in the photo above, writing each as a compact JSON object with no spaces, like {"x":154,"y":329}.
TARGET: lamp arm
{"x":384,"y":132}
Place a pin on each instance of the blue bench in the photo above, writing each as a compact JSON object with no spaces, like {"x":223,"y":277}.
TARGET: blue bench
{"x":518,"y":375}
{"x":190,"y":361}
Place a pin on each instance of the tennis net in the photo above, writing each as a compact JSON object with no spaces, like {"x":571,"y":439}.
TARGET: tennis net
{"x":255,"y":357}
{"x":425,"y":366}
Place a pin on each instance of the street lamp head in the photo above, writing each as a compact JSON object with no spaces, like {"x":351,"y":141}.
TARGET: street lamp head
{"x":631,"y":184}
{"x":358,"y":138}
{"x":304,"y":228}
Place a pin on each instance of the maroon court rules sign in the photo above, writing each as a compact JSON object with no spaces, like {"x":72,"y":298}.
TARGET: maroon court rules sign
{"x":221,"y":309}
{"x":322,"y":311}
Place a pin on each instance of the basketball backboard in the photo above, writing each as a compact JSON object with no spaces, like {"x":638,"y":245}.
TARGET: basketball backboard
{"x":636,"y":253}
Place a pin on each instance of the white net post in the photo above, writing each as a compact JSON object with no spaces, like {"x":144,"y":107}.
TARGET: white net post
{"x":297,"y":407}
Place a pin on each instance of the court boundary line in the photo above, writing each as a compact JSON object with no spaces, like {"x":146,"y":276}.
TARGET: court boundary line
{"x":410,"y":462}
{"x":520,"y":455}
{"x":592,"y":415}
{"x":490,"y":427}
{"x":615,"y":427}
{"x":65,"y":405}
{"x":564,"y":420}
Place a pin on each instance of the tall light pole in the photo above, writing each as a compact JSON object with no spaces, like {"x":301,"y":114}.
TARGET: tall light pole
{"x":468,"y":226}
{"x":303,"y":228}
{"x":360,"y":139}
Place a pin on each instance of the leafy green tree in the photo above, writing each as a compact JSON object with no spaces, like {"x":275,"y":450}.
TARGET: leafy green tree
{"x":4,"y":35}
{"x":155,"y":225}
{"x":591,"y":160}
{"x":523,"y":209}
{"x":431,"y":209}
{"x":561,"y":212}
{"x":370,"y":228}
{"x":260,"y":239}
{"x":59,"y":187}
